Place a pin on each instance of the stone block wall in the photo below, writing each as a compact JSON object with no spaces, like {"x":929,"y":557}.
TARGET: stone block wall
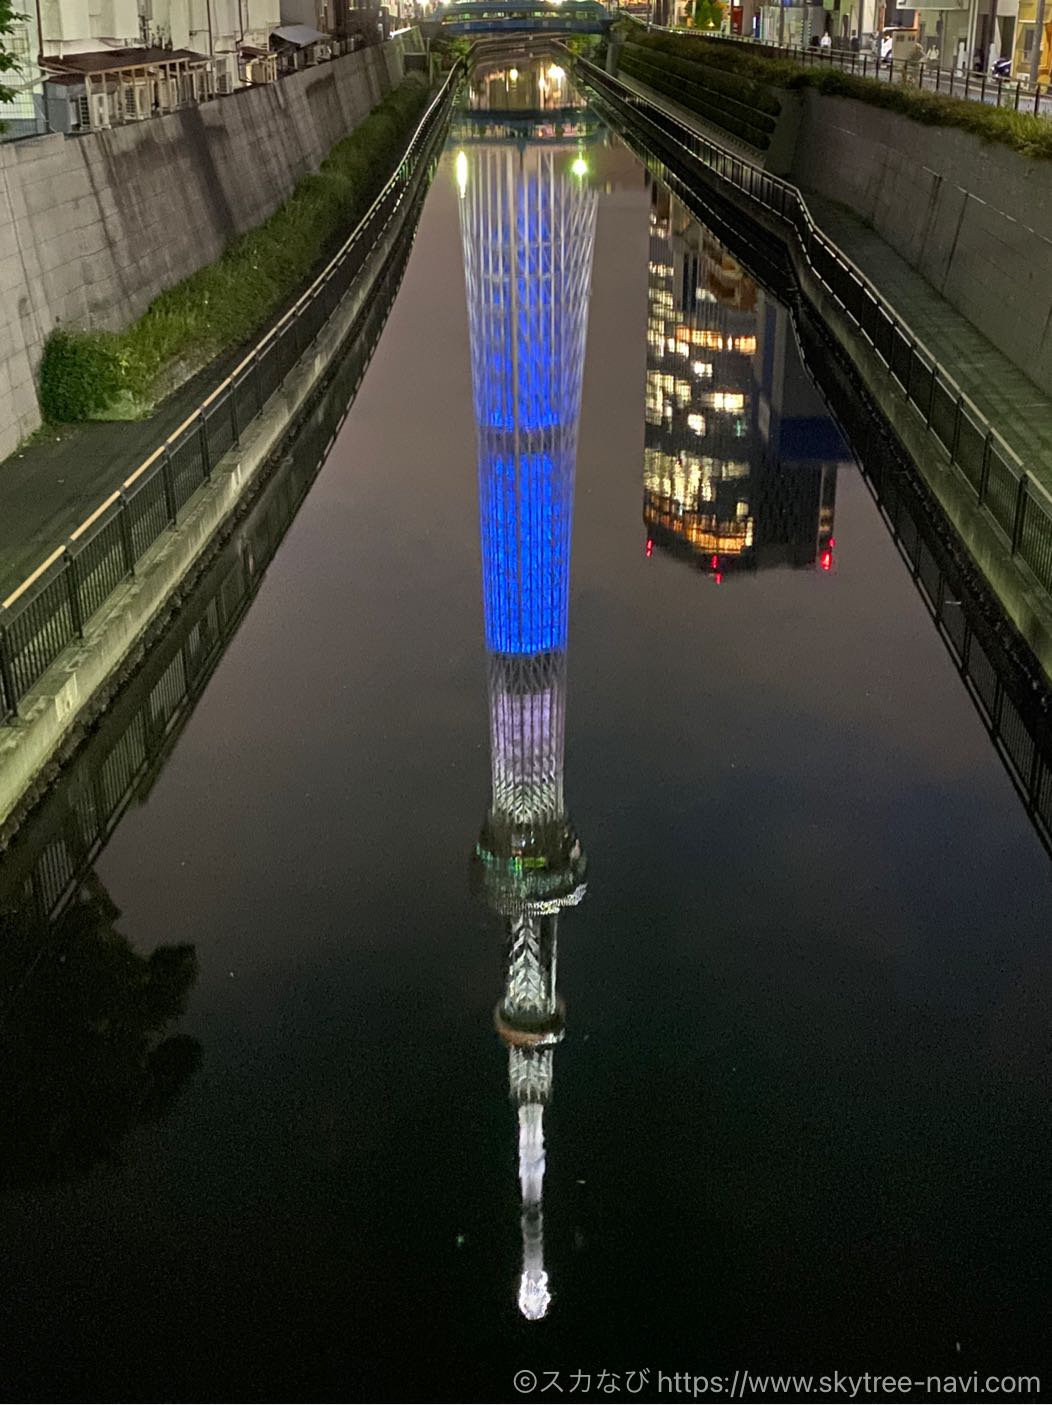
{"x":93,"y":227}
{"x":974,"y":217}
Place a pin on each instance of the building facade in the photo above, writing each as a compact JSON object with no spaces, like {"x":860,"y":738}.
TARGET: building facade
{"x":740,"y":457}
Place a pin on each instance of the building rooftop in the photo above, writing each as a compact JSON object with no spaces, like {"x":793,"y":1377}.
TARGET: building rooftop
{"x":300,"y":35}
{"x":72,"y":67}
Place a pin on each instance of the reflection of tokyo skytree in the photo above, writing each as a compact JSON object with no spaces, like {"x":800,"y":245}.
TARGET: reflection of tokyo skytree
{"x":528,"y":228}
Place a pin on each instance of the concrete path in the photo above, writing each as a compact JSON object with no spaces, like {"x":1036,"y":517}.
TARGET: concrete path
{"x":48,"y":487}
{"x":1005,"y":396}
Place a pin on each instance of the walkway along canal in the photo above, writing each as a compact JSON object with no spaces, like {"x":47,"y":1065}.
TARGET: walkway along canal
{"x":76,"y":621}
{"x":563,"y":721}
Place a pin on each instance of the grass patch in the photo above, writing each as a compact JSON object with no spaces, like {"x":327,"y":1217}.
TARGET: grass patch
{"x":1023,"y":132}
{"x":116,"y":375}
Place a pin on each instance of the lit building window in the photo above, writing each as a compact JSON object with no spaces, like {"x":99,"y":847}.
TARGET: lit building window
{"x":726,"y":400}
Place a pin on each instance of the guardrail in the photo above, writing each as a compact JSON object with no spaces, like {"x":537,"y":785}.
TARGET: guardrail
{"x":1019,"y":507}
{"x":50,"y":609}
{"x":55,"y":852}
{"x":973,"y":87}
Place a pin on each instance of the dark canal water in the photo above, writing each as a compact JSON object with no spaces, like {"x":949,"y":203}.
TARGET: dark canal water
{"x":782,"y":1105}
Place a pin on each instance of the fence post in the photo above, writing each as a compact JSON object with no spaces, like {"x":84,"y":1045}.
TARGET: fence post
{"x":1020,"y":514}
{"x":169,"y":485}
{"x":8,"y":697}
{"x":235,"y":428}
{"x":72,"y":575}
{"x":206,"y":458}
{"x":127,"y":545}
{"x":956,"y":438}
{"x":984,"y":472}
{"x":931,"y":395}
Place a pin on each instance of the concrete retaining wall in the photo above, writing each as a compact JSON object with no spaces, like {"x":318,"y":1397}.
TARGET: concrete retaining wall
{"x":973,"y":217}
{"x":93,"y":227}
{"x":76,"y":687}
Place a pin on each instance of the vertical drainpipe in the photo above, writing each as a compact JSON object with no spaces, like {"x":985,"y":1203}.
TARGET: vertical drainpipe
{"x":40,"y":69}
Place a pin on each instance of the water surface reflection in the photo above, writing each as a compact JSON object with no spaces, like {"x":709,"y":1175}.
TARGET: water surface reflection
{"x":741,"y":456}
{"x":527,"y":215}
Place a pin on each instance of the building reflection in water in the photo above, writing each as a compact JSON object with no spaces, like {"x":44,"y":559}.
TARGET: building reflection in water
{"x":528,"y":215}
{"x":741,"y":455}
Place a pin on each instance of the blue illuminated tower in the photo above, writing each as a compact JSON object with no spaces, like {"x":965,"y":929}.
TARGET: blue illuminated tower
{"x":528,"y":229}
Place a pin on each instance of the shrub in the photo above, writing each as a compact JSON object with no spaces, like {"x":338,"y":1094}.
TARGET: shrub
{"x":80,"y":375}
{"x":111,"y":375}
{"x":1023,"y":132}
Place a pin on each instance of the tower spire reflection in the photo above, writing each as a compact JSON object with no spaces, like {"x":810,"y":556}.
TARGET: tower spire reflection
{"x":528,"y":229}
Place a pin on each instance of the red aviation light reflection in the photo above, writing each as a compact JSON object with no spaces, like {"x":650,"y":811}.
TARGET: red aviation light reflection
{"x":827,"y":561}
{"x":650,"y":546}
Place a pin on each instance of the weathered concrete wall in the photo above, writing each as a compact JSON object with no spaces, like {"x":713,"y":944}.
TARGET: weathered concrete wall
{"x":973,"y":217}
{"x":93,"y":227}
{"x":76,"y":687}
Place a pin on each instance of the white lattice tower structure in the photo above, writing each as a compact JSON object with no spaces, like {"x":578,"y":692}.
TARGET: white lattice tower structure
{"x":528,"y":230}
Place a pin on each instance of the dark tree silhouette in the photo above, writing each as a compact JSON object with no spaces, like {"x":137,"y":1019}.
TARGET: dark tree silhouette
{"x":84,"y":1056}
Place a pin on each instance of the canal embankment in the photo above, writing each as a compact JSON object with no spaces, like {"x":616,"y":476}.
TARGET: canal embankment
{"x":976,"y":429}
{"x":960,"y":190}
{"x":93,"y":227}
{"x":75,"y":629}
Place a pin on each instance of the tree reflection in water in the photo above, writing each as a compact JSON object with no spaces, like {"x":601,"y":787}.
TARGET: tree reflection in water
{"x":84,"y":1047}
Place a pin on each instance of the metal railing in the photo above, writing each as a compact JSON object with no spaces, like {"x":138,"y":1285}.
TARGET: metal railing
{"x":1019,"y":507}
{"x":951,"y":83}
{"x":998,"y":675}
{"x":50,"y":609}
{"x":56,"y":850}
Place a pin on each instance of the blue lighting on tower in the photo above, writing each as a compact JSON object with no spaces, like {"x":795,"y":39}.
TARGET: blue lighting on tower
{"x":528,"y":227}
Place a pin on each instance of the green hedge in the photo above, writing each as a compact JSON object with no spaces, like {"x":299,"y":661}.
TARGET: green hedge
{"x":689,"y":84}
{"x":1025,"y":133}
{"x":115,"y":375}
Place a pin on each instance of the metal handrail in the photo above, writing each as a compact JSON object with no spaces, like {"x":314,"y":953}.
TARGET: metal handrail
{"x":908,"y":359}
{"x":31,"y":638}
{"x":965,"y":84}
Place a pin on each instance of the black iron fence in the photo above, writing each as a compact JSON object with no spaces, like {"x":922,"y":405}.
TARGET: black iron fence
{"x":50,"y":609}
{"x":58,"y":847}
{"x":950,"y":82}
{"x":987,"y":657}
{"x":1019,"y":507}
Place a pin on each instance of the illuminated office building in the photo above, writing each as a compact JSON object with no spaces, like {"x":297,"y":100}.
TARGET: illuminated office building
{"x":528,"y":229}
{"x":740,"y":458}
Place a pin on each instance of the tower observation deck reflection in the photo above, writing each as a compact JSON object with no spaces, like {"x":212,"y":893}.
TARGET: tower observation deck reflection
{"x":528,"y":228}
